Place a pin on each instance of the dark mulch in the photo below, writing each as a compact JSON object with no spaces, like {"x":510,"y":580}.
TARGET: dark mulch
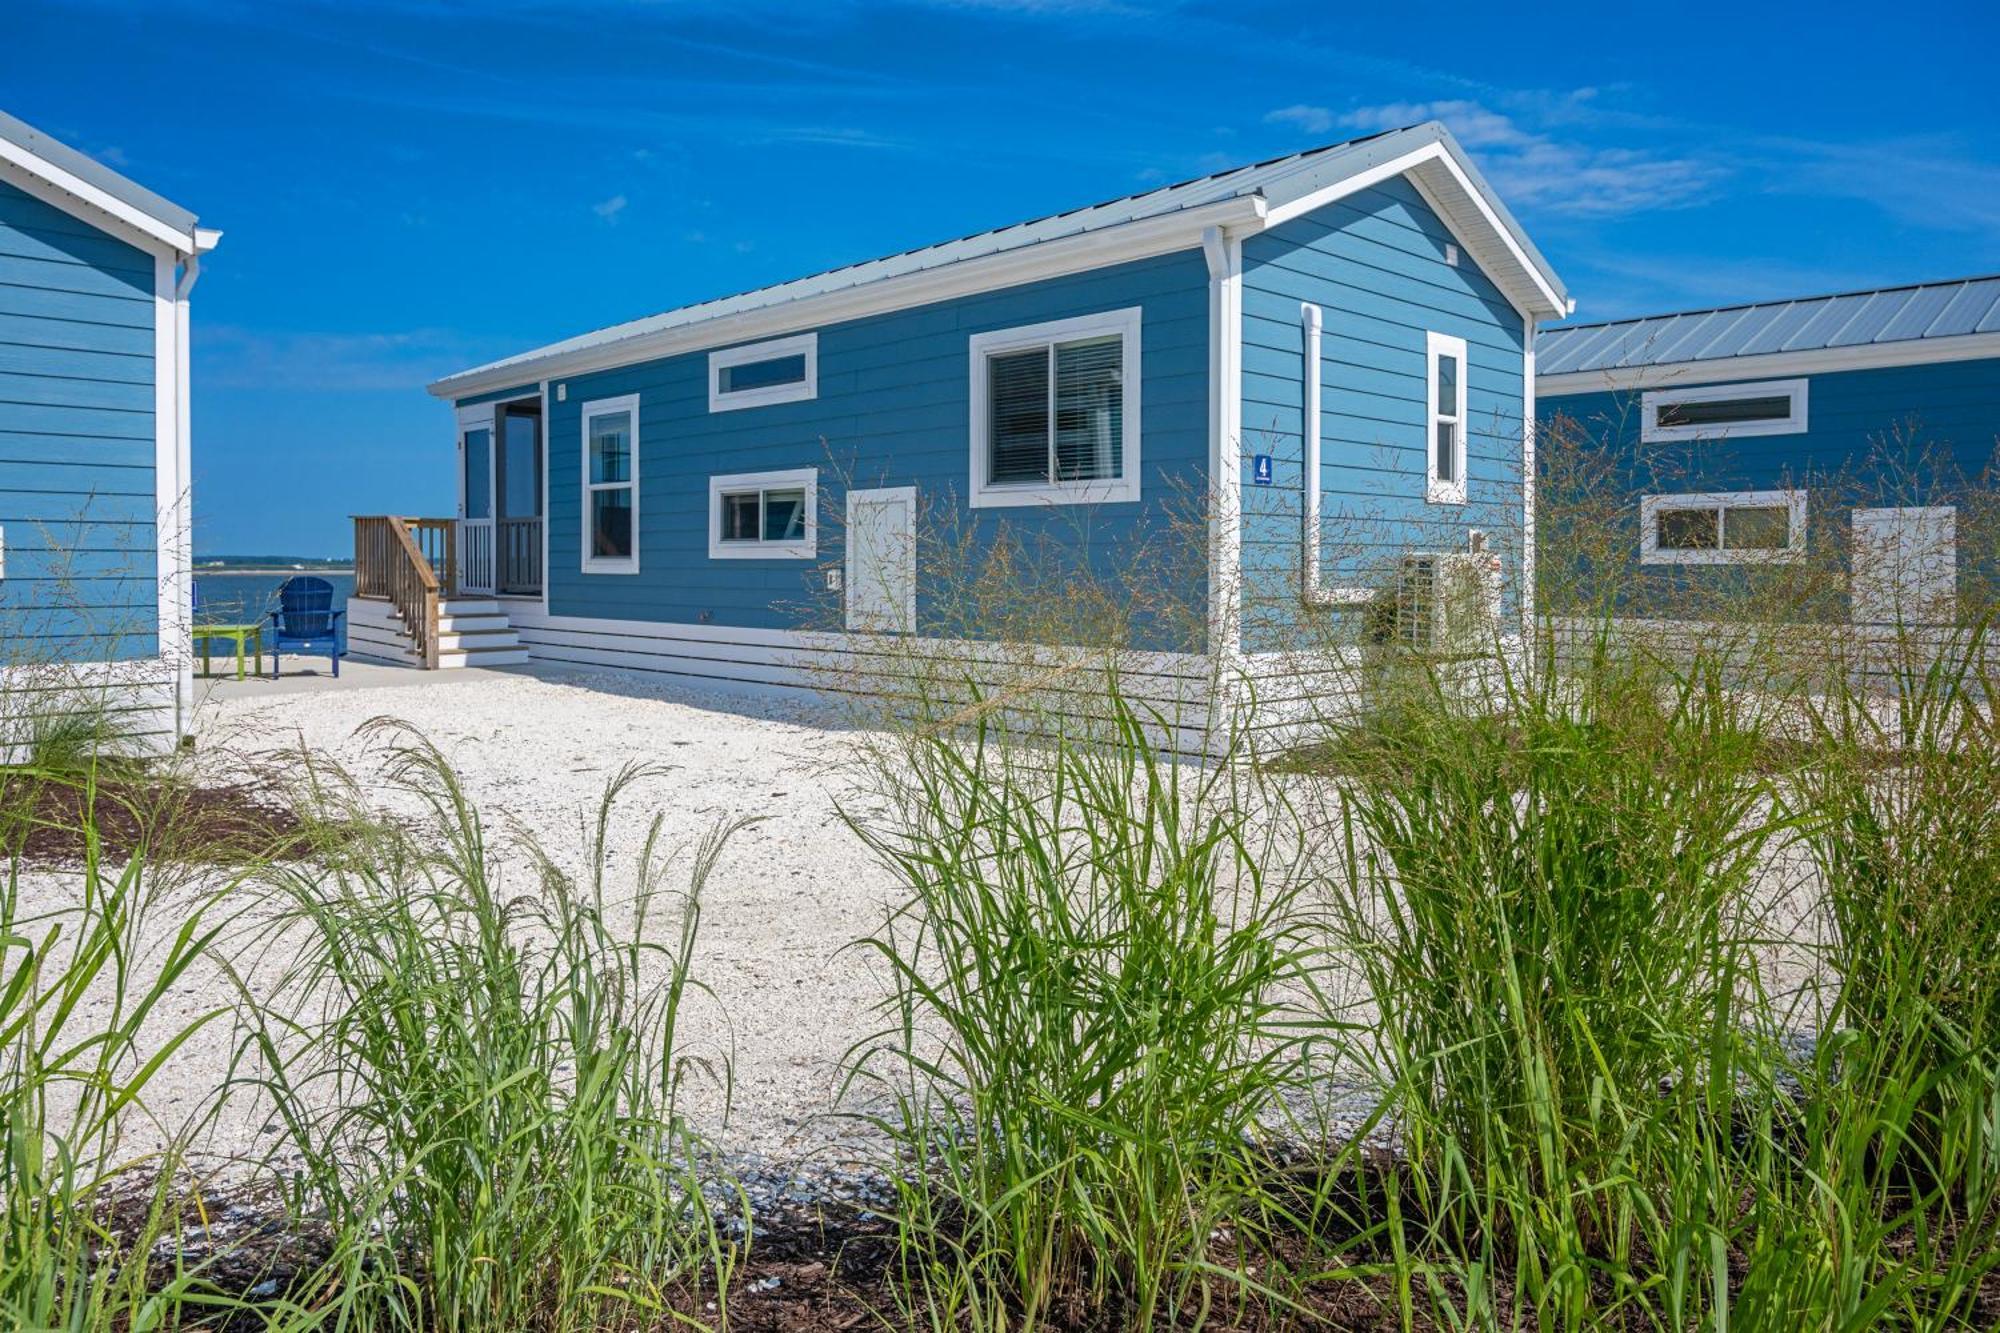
{"x":43,"y":819}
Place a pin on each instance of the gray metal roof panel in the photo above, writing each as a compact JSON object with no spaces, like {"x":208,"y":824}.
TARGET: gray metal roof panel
{"x":86,"y":168}
{"x":1914,"y":312}
{"x":1279,"y":180}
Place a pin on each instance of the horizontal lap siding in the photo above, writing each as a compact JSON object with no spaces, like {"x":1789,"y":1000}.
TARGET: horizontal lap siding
{"x":1374,"y":263}
{"x":892,"y":410}
{"x":77,"y":441}
{"x":1865,"y":430}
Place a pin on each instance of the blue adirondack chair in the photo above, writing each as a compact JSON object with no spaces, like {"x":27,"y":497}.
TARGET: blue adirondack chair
{"x":306,"y":621}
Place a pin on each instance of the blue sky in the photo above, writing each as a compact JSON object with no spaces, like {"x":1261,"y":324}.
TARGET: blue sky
{"x":409,"y":187}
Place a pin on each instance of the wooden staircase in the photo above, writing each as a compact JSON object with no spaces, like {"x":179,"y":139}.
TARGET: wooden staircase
{"x":407,"y":606}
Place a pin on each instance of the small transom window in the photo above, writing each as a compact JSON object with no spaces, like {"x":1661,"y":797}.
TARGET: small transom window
{"x":1711,"y":412}
{"x":1739,"y":527}
{"x":1055,"y":411}
{"x":763,"y":515}
{"x":782,"y":371}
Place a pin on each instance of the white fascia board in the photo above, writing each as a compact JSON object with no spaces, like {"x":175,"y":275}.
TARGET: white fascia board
{"x":1079,"y":253}
{"x":73,"y":195}
{"x":1541,"y":300}
{"x":1825,"y":360}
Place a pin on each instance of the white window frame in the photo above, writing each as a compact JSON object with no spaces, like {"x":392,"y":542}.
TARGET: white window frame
{"x":738,"y":483}
{"x":1438,"y":491}
{"x":1650,"y":402}
{"x":1652,"y":506}
{"x":988,"y":495}
{"x":805,"y":344}
{"x":604,"y":407}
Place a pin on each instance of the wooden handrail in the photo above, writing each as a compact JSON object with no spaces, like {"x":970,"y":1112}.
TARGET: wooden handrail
{"x":394,"y":561}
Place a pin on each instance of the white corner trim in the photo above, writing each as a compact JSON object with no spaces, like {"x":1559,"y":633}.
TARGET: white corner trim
{"x":37,"y":176}
{"x":906,"y":495}
{"x":604,"y":407}
{"x":1653,"y":400}
{"x":1528,"y":442}
{"x":1867,"y":356}
{"x":173,"y":551}
{"x":1224,"y":253}
{"x":1438,"y":491}
{"x":1126,"y":325}
{"x":802,"y":344}
{"x":741,"y":483}
{"x":1651,"y":506}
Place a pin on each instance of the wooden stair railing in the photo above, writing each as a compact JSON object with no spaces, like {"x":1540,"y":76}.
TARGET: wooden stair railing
{"x":412,"y":564}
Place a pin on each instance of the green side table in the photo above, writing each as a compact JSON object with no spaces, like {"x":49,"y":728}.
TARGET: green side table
{"x":243,"y":636}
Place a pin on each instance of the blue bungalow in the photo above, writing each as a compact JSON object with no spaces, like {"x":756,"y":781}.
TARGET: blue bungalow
{"x":95,"y":275}
{"x":1851,"y":426}
{"x":1328,"y":352}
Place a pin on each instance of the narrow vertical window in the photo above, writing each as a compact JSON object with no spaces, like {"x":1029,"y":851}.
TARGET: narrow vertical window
{"x":611,"y":486}
{"x":1444,"y":438}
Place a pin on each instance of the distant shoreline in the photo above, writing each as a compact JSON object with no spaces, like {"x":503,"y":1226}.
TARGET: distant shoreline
{"x":212,"y":572}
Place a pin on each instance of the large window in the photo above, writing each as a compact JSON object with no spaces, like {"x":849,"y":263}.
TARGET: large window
{"x":785,"y":370}
{"x":1444,"y":431}
{"x":611,"y":486}
{"x":764,"y":515}
{"x":1723,"y":411}
{"x":1722,"y":528}
{"x":1055,"y":412}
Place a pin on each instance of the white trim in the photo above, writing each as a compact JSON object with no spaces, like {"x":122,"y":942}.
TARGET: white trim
{"x":546,"y":525}
{"x":1651,"y":506}
{"x":1435,"y":157}
{"x":1438,"y":491}
{"x":604,"y":407}
{"x":1311,"y":323}
{"x":908,"y":496}
{"x":1528,"y":442}
{"x":174,"y":612}
{"x":1224,"y":254}
{"x":740,"y":483}
{"x":35,"y":175}
{"x":1794,"y":423}
{"x":803,"y":344}
{"x":1125,"y":324}
{"x":1081,"y":252}
{"x":1867,"y":356}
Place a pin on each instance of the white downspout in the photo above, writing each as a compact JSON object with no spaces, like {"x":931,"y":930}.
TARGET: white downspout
{"x":1310,"y":591}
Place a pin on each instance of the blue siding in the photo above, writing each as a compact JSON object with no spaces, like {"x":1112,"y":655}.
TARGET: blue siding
{"x":76,"y":439}
{"x":1942,"y":414}
{"x":1375,"y":264}
{"x":892,"y":409}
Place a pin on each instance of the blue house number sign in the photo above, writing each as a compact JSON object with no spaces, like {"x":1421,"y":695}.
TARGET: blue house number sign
{"x":1260,"y":469}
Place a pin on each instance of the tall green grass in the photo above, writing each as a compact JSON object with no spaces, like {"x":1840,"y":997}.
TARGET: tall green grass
{"x":486,"y":1089}
{"x":1086,"y":989}
{"x":78,"y":990}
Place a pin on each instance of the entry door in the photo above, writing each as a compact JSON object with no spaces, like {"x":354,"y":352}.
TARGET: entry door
{"x":517,"y":488}
{"x":882,"y":560}
{"x":475,"y":505}
{"x":1904,"y":566}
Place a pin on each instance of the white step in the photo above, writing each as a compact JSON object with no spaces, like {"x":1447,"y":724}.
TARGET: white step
{"x":472,"y":632}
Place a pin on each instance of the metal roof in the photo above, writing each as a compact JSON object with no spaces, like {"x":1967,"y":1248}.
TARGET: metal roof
{"x":89,"y":169}
{"x":1911,"y":313}
{"x":1278,"y":181}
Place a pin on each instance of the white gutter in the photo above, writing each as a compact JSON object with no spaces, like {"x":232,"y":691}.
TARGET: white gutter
{"x":1310,"y":591}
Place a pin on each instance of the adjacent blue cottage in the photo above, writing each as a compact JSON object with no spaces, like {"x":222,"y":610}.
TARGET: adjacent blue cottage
{"x":1324,"y":359}
{"x":95,"y":275}
{"x":1854,"y":427}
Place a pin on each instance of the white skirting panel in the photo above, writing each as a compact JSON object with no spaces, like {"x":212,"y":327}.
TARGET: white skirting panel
{"x":138,"y":701}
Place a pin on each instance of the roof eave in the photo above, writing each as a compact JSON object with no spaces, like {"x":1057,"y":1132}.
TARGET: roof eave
{"x":150,"y":227}
{"x":1079,"y":252}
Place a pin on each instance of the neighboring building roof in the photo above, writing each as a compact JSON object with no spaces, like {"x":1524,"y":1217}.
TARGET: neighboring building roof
{"x":94,"y":187}
{"x":1254,"y":196}
{"x":1886,"y":325}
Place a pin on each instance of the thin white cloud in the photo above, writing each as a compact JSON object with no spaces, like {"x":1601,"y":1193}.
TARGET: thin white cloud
{"x":1537,"y":171}
{"x":236,"y":357}
{"x":1311,"y":119}
{"x":609,"y":209}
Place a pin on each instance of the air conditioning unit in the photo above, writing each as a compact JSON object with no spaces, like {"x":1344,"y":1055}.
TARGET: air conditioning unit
{"x":1448,"y":603}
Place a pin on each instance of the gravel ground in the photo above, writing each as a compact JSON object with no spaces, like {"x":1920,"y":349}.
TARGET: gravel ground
{"x":788,"y":895}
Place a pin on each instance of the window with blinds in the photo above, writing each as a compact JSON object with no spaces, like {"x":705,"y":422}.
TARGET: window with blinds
{"x":1051,"y":412}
